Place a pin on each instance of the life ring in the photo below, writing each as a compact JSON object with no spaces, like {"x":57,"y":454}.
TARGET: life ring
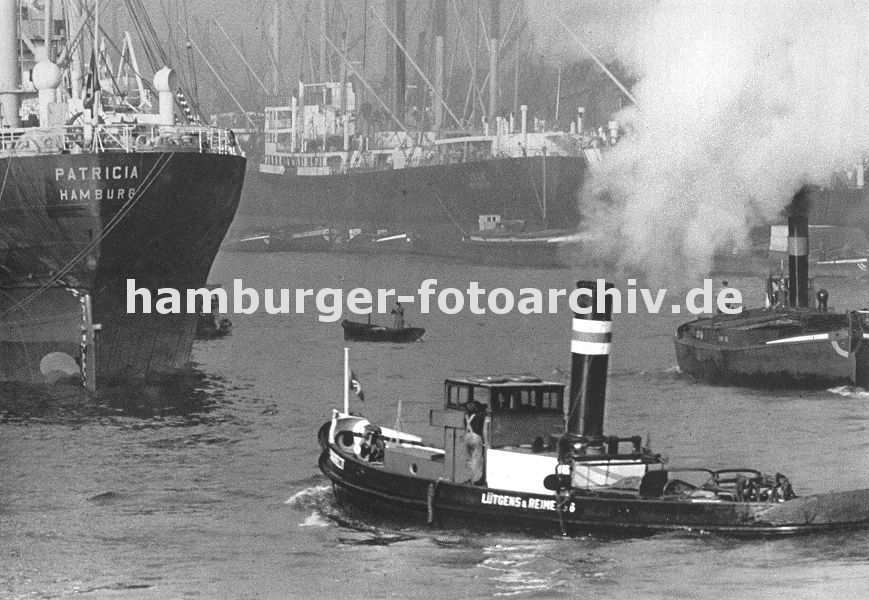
{"x":49,"y":143}
{"x":142,"y":140}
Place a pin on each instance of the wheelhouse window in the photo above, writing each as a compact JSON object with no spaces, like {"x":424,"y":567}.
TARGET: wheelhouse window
{"x":551,"y":400}
{"x":507,"y":398}
{"x":528,"y":399}
{"x":457,"y":395}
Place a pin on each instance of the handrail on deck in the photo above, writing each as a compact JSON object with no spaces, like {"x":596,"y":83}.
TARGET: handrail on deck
{"x":116,"y":137}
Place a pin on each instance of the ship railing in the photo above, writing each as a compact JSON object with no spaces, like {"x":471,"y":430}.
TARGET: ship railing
{"x":118,"y":137}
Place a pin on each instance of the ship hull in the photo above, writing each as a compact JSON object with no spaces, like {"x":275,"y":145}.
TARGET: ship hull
{"x":813,"y":364}
{"x":768,"y":348}
{"x":372,"y":489}
{"x":97,"y":220}
{"x":438,"y":204}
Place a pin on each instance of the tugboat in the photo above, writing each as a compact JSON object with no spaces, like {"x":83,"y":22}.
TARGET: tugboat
{"x":787,"y":343}
{"x":515,"y":456}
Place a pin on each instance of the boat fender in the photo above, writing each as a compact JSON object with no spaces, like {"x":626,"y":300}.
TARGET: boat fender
{"x":429,"y":500}
{"x":323,"y":435}
{"x":230,"y":139}
{"x":555,"y":482}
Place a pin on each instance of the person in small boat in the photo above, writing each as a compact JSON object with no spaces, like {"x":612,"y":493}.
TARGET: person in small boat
{"x":398,"y":321}
{"x":475,"y":443}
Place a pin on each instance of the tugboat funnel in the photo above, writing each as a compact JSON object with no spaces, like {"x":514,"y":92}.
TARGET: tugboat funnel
{"x":798,"y":250}
{"x":590,"y":349}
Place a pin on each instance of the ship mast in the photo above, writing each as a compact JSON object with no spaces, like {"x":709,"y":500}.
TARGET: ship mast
{"x":400,"y":56}
{"x":323,"y":73}
{"x":48,"y":29}
{"x":276,"y":47}
{"x":440,"y":23}
{"x":494,"y":34}
{"x":10,"y":71}
{"x":400,"y":46}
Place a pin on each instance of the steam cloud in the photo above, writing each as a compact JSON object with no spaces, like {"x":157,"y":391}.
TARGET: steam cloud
{"x":738,"y":105}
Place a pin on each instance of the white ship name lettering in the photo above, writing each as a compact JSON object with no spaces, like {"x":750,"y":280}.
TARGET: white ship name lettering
{"x":97,"y":194}
{"x":105,"y":173}
{"x":517,"y":501}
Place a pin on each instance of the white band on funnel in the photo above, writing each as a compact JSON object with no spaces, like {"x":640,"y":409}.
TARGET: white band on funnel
{"x":589,"y":348}
{"x":589,"y":326}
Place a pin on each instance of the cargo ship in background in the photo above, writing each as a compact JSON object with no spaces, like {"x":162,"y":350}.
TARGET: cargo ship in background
{"x":340,"y":156}
{"x":98,"y":188}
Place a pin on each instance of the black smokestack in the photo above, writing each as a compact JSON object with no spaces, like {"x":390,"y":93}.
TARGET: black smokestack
{"x":798,"y":250}
{"x":590,"y":347}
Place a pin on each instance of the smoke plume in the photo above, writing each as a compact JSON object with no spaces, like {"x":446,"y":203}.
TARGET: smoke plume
{"x":739,"y":104}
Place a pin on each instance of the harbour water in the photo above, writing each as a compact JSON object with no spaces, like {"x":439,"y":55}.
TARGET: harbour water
{"x":216,"y":493}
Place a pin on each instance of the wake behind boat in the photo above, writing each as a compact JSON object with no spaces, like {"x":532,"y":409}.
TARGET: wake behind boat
{"x":515,"y":456}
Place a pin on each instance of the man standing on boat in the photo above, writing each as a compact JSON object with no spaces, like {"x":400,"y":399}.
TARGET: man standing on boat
{"x":398,"y":311}
{"x":475,"y":426}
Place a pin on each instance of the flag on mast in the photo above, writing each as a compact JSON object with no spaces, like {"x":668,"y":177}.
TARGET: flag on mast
{"x":92,"y":82}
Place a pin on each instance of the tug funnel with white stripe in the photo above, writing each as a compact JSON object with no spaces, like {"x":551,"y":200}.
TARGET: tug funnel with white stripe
{"x":590,"y":350}
{"x":798,"y":250}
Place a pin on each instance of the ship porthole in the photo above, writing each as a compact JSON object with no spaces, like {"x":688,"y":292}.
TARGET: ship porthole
{"x":413,"y":469}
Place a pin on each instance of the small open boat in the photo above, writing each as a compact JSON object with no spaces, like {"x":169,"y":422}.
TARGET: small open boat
{"x":548,"y":466}
{"x":382,"y":242}
{"x":366,"y":332}
{"x":286,"y":239}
